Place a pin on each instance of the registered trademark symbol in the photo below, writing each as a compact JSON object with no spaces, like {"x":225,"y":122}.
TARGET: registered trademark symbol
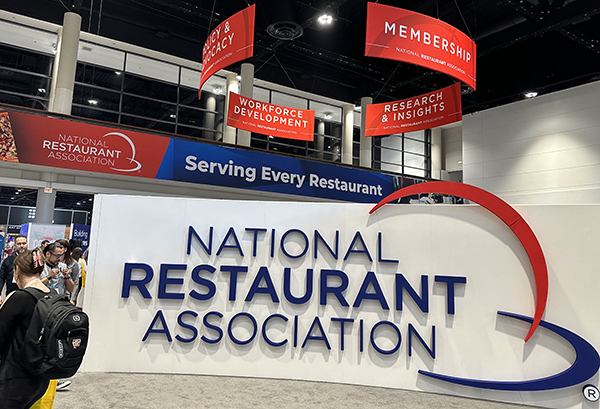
{"x":591,"y":393}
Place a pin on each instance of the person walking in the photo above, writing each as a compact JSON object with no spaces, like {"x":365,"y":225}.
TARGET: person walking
{"x":6,"y":270}
{"x":18,"y":388}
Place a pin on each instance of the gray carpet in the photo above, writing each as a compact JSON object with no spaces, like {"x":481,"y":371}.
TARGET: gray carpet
{"x":150,"y":391}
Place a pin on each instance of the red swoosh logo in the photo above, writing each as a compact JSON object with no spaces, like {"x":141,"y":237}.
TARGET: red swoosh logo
{"x":505,"y":213}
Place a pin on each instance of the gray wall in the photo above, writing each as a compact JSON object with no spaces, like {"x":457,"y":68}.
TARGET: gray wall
{"x":541,"y":150}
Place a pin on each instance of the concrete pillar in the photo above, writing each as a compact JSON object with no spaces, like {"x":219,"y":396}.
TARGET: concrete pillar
{"x":246,"y":90}
{"x":65,"y":64}
{"x":229,"y":131}
{"x":436,"y":153}
{"x":320,"y":139}
{"x":365,"y":143}
{"x":209,"y":117}
{"x":46,"y":198}
{"x":348,"y":128}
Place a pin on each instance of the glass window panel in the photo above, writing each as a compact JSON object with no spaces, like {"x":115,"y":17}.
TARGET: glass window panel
{"x":22,"y":83}
{"x":418,"y":135}
{"x":102,"y":77}
{"x":101,"y":56}
{"x":287,"y":100}
{"x":3,"y":214}
{"x":80,"y":217}
{"x":190,"y":78}
{"x":261,"y":94}
{"x":25,"y":60}
{"x":103,"y":99}
{"x":391,"y":156}
{"x":147,"y":67}
{"x":24,"y":101}
{"x":19,"y":215}
{"x":91,"y":113}
{"x":147,"y":123}
{"x":62,"y":216}
{"x":392,"y":142}
{"x":414,"y":161}
{"x":414,"y":146}
{"x":357,"y":118}
{"x":322,"y":110}
{"x":414,"y":172}
{"x":389,"y":167}
{"x":150,"y":88}
{"x":148,"y":108}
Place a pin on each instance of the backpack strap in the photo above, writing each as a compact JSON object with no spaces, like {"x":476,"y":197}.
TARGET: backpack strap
{"x":38,"y":295}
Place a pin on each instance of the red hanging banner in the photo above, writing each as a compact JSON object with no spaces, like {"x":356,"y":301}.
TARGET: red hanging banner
{"x":426,"y":111}
{"x":268,"y":119}
{"x":403,"y":35}
{"x":230,"y":42}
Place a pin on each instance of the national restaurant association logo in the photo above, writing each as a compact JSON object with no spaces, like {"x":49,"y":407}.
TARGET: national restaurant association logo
{"x":587,"y":360}
{"x":113,"y":150}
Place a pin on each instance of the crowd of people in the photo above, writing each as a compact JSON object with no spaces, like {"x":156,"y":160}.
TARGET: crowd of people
{"x":50,"y":267}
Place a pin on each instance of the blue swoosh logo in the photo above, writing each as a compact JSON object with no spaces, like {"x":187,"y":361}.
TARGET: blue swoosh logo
{"x":587,"y":363}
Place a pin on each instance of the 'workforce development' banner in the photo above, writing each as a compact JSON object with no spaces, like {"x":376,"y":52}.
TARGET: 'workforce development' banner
{"x":403,"y":35}
{"x":425,"y":111}
{"x":230,"y":42}
{"x":268,"y":119}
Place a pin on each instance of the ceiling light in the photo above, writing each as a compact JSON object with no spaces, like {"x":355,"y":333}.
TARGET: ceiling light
{"x":42,"y":90}
{"x":238,"y":77}
{"x":325,"y":19}
{"x":328,"y":115}
{"x":217,"y":90}
{"x":173,"y":116}
{"x":93,"y":101}
{"x":531,"y":94}
{"x":118,"y":72}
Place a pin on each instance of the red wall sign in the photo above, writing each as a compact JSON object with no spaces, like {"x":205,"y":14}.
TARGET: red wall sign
{"x":231,"y":41}
{"x":39,"y":140}
{"x":268,"y":119}
{"x":403,"y":35}
{"x":429,"y":110}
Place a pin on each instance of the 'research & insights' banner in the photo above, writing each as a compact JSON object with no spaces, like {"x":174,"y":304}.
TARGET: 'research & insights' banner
{"x":261,"y":117}
{"x":425,"y":111}
{"x":403,"y":35}
{"x":230,"y":42}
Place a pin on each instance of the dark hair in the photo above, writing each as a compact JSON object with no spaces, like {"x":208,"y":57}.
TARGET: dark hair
{"x":50,"y":248}
{"x":68,"y":258}
{"x":25,"y":262}
{"x":77,"y":252}
{"x":45,"y":241}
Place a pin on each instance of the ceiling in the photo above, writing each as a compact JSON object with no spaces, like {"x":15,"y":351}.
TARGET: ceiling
{"x":522,"y":45}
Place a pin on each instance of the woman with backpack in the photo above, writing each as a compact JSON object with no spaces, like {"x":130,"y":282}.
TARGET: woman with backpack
{"x":18,"y":388}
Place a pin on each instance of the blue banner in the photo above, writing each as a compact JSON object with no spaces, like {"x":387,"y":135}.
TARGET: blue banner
{"x":81,"y":232}
{"x":192,"y":162}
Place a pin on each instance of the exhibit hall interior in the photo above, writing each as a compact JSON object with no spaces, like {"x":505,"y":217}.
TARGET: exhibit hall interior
{"x":361,"y":202}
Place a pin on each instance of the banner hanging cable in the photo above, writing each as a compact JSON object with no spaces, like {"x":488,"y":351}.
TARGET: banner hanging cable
{"x":388,"y":80}
{"x":463,"y":19}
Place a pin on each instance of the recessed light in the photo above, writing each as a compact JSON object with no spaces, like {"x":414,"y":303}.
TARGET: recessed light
{"x":217,"y":90}
{"x":118,"y":72}
{"x":173,"y":116}
{"x":93,"y":101}
{"x":238,"y":77}
{"x":325,"y":19}
{"x":42,"y":90}
{"x":531,"y":94}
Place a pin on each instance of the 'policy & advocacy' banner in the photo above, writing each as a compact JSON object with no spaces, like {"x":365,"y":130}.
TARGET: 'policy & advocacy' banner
{"x":231,"y":41}
{"x":268,"y":119}
{"x":425,"y":111}
{"x":403,"y":35}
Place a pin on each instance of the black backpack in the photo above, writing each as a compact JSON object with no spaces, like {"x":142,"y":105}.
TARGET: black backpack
{"x":57,"y":337}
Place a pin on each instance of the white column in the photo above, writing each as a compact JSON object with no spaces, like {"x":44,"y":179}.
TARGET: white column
{"x":320,"y":139}
{"x":209,"y":117}
{"x":348,"y":128}
{"x":229,"y":131}
{"x":44,"y":207}
{"x":65,"y":64}
{"x":365,"y":143}
{"x":246,"y":90}
{"x":436,"y":153}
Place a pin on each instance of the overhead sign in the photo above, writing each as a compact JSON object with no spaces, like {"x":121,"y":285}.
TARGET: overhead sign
{"x":41,"y":140}
{"x":403,"y":35}
{"x":431,"y":298}
{"x":426,"y":111}
{"x":268,"y":119}
{"x":230,"y":42}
